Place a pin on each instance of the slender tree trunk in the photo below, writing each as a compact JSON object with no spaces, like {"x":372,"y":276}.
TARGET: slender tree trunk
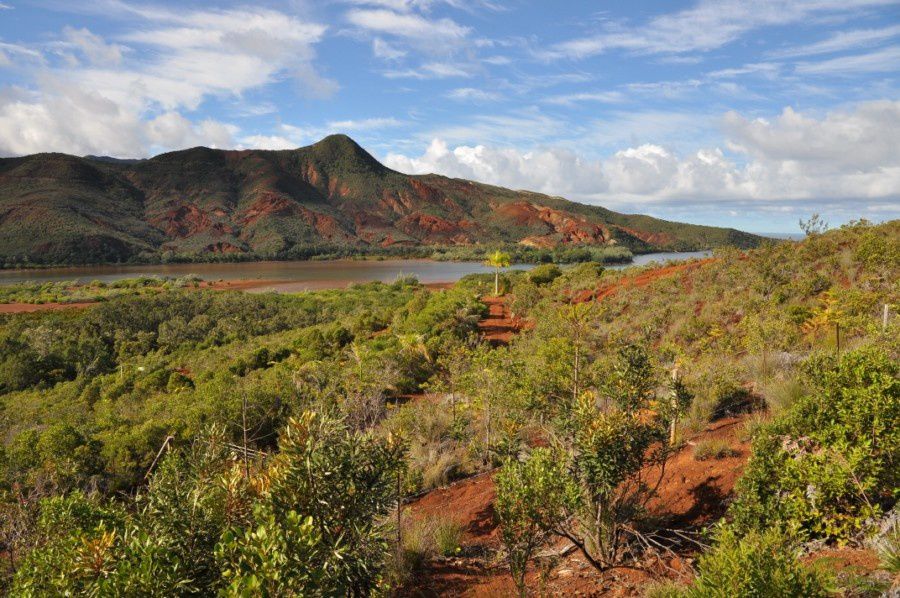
{"x":577,"y":367}
{"x":497,"y":281}
{"x":244,"y":426}
{"x":487,"y":430}
{"x":399,"y":504}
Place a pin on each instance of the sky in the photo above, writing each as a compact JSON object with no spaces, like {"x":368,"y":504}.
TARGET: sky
{"x":751,"y":114}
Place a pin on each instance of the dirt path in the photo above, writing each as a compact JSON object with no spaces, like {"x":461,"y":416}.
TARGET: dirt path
{"x":499,"y":327}
{"x":642,"y":279}
{"x":692,"y":493}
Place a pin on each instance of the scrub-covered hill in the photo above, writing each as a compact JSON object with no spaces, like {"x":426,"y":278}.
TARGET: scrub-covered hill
{"x":327,"y":198}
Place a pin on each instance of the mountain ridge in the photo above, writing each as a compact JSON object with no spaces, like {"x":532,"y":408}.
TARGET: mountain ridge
{"x":202,"y":203}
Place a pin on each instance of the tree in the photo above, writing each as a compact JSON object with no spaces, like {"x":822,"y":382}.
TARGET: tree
{"x":497,"y":260}
{"x":616,"y":454}
{"x":816,"y":225}
{"x":532,"y":496}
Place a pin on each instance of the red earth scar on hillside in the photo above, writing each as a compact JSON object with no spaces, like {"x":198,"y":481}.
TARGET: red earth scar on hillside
{"x":641,"y":280}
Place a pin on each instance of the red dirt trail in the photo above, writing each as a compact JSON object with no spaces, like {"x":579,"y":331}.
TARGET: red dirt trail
{"x":500,"y":326}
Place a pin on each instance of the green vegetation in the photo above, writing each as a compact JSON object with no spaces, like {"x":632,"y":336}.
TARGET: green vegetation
{"x":181,"y":441}
{"x":72,"y":292}
{"x":713,"y":449}
{"x":497,"y":260}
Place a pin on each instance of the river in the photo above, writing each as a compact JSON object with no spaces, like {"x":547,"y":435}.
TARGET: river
{"x":295,"y":275}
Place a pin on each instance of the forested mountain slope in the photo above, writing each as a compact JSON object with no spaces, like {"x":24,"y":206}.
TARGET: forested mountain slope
{"x":202,"y":203}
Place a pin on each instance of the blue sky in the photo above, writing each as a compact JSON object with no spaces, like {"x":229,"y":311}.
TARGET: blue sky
{"x":749,"y":114}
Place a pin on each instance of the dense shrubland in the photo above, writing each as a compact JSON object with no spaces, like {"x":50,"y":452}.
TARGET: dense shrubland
{"x":287,"y":427}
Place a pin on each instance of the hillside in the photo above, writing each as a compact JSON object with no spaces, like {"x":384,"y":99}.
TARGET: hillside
{"x":202,"y":204}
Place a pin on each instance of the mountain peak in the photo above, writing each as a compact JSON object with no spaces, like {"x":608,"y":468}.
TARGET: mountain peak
{"x":343,"y":150}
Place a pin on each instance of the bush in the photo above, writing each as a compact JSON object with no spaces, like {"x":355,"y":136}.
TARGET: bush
{"x":544,"y":274}
{"x":829,"y":463}
{"x":714,"y":449}
{"x":758,"y":564}
{"x":532,"y":497}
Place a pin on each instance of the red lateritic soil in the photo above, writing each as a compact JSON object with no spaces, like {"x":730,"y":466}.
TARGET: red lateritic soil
{"x":692,"y":493}
{"x":499,"y":327}
{"x":22,"y":308}
{"x":641,"y":280}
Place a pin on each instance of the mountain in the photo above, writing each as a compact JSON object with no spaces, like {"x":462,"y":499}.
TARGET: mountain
{"x":199,"y":203}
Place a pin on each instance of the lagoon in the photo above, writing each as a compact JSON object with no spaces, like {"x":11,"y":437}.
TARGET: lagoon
{"x":290,"y":276}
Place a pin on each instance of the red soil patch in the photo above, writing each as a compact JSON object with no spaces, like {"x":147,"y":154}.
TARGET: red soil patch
{"x":22,"y":308}
{"x":560,"y":227}
{"x":499,"y":327}
{"x":857,"y":561}
{"x":692,"y":493}
{"x":469,"y":502}
{"x":642,"y":279}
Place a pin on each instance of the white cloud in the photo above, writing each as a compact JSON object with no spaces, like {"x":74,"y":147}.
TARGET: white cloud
{"x":604,"y":97}
{"x":432,"y":33}
{"x":520,"y":127}
{"x":555,"y":171}
{"x":365,"y":124}
{"x":127,"y":100}
{"x":269,"y":142}
{"x":82,"y":122}
{"x":884,"y":60}
{"x":386,"y":51}
{"x":840,"y":42}
{"x":846,"y":157}
{"x":430,"y":70}
{"x":92,"y":46}
{"x":471,"y":94}
{"x":707,"y":25}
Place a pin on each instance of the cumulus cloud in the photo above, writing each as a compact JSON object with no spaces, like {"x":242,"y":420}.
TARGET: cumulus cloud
{"x":127,"y":99}
{"x":555,"y":171}
{"x":848,"y":156}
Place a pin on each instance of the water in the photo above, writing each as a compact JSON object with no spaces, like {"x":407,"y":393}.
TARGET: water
{"x":296,"y":275}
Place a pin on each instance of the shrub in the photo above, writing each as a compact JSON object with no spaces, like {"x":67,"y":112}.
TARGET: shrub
{"x":714,"y":449}
{"x":544,"y":274}
{"x":758,"y":564}
{"x":532,"y":498}
{"x":828,"y":464}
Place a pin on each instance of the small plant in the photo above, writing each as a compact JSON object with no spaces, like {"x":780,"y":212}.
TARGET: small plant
{"x":714,"y":449}
{"x":447,"y":535}
{"x":889,"y":550}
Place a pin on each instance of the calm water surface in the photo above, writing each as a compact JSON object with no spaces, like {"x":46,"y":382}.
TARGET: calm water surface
{"x":294,"y":276}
